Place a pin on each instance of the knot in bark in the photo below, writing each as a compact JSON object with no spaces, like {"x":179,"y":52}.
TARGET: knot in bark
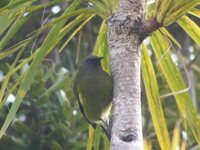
{"x":128,"y":135}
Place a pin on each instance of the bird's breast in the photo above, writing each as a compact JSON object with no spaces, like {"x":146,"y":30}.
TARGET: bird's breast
{"x":96,"y":94}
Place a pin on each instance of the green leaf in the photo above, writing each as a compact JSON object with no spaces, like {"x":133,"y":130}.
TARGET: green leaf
{"x":191,"y":28}
{"x":6,"y":79}
{"x":14,"y":48}
{"x":15,"y":6}
{"x":12,"y":30}
{"x":176,"y":83}
{"x":56,"y":146}
{"x":162,"y":7}
{"x":106,"y":142}
{"x":90,"y":138}
{"x":44,"y":49}
{"x":97,"y":138}
{"x":101,"y":46}
{"x":165,"y":32}
{"x":147,"y":144}
{"x":83,"y":12}
{"x":178,"y":9}
{"x":5,"y":22}
{"x":23,"y":128}
{"x":151,"y":88}
{"x":88,"y":18}
{"x":176,"y":135}
{"x":104,"y":11}
{"x":195,"y":12}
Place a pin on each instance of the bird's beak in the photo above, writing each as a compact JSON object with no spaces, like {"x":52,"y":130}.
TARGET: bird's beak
{"x":100,"y":58}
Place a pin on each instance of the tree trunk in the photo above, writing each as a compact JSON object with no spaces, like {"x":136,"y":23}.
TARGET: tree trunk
{"x":125,"y":57}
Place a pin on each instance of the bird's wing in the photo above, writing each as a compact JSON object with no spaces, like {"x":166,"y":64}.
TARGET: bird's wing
{"x":78,"y":97}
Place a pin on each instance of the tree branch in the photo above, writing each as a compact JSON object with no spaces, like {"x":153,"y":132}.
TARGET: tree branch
{"x":124,"y":41}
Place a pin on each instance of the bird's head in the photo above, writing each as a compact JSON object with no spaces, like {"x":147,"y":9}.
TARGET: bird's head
{"x":92,"y":62}
{"x":93,"y":59}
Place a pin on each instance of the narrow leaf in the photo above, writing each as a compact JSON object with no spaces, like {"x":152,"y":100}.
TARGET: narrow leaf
{"x":90,"y":138}
{"x":176,"y":136}
{"x":147,"y":144}
{"x":164,"y":31}
{"x":21,"y":20}
{"x":195,"y":12}
{"x":191,"y":28}
{"x":176,"y":83}
{"x":97,"y":138}
{"x":101,"y":46}
{"x":5,"y":22}
{"x":178,"y":9}
{"x":154,"y":102}
{"x":162,"y":7}
{"x":44,"y":49}
{"x":87,"y":19}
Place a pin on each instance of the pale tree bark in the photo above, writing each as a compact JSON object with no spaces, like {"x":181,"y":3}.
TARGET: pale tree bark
{"x":124,"y":40}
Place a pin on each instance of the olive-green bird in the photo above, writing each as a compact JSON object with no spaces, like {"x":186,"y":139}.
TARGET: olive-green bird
{"x":93,"y":89}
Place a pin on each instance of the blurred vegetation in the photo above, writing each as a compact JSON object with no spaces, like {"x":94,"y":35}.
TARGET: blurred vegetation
{"x":48,"y":117}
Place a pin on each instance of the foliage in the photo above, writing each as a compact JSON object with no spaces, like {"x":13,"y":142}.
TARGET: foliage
{"x":45,"y":119}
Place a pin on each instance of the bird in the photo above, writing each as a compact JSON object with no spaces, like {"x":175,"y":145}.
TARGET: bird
{"x":93,"y":89}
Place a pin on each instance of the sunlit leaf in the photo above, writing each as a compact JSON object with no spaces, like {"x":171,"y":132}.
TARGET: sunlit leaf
{"x":90,"y":138}
{"x":191,"y":28}
{"x":178,"y":9}
{"x":176,"y":83}
{"x":44,"y":49}
{"x":151,"y":88}
{"x":176,"y":136}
